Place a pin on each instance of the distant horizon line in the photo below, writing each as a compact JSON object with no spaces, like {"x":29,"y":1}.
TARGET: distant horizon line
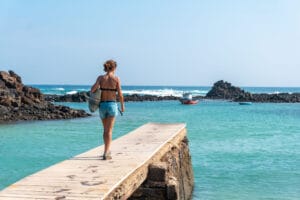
{"x":57,"y":84}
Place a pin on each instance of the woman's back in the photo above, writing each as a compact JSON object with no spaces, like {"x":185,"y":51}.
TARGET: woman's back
{"x":108,"y":86}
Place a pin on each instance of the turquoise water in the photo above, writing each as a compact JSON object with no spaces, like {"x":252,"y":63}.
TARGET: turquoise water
{"x":238,"y":152}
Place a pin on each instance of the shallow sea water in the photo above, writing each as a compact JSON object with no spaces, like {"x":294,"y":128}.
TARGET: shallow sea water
{"x":238,"y":152}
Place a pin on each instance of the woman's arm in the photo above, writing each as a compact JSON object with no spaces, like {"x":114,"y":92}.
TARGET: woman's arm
{"x":96,"y":85}
{"x":120,"y":95}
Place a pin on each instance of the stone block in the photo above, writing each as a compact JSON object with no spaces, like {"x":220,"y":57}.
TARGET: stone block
{"x":172,"y":190}
{"x":157,"y":172}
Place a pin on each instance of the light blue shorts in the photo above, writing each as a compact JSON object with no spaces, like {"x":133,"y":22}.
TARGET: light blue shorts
{"x":108,"y":109}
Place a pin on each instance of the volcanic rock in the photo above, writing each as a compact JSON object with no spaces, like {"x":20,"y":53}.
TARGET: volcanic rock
{"x":224,"y":90}
{"x":21,"y":102}
{"x":83,"y":96}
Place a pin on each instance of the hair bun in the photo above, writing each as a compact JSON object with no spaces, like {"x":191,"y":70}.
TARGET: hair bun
{"x":110,"y":65}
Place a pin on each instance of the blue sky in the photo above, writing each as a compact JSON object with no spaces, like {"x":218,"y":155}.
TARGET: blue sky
{"x":248,"y":43}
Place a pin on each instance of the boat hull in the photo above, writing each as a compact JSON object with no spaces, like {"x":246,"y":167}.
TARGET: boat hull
{"x":189,"y":102}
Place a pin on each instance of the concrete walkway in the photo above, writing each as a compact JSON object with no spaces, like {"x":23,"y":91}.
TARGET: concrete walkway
{"x":86,"y":176}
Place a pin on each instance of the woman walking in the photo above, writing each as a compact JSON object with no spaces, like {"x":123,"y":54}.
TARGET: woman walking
{"x":110,"y":86}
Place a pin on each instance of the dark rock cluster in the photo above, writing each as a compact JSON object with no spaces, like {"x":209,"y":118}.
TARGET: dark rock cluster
{"x":224,"y":90}
{"x":20,"y":102}
{"x":78,"y":97}
{"x":272,"y":98}
{"x":82,"y":97}
{"x":136,"y":97}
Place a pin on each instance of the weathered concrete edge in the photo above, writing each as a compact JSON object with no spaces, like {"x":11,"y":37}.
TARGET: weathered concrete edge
{"x":125,"y":187}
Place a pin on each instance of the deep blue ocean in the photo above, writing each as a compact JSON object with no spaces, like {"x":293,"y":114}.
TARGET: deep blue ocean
{"x":238,"y":152}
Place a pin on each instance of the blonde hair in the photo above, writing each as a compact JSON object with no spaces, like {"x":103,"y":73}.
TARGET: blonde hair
{"x":110,"y":65}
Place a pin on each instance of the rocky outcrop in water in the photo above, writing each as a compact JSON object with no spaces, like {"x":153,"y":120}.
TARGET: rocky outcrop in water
{"x":21,"y":102}
{"x":82,"y":97}
{"x":271,"y":98}
{"x":78,"y":97}
{"x":224,"y":90}
{"x":136,"y":97}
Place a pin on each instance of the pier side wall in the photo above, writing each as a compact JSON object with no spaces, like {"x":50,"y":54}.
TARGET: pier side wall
{"x":167,"y":175}
{"x":170,"y":178}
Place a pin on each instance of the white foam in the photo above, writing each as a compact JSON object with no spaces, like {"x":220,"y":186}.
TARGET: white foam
{"x":60,"y":89}
{"x":275,"y":92}
{"x":199,"y":92}
{"x":72,"y":92}
{"x":164,"y":92}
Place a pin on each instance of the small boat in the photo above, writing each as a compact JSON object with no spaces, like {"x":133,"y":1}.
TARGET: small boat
{"x":245,"y":103}
{"x":186,"y":101}
{"x":187,"y":98}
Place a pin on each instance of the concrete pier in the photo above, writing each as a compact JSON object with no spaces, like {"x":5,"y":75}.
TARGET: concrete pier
{"x":86,"y":176}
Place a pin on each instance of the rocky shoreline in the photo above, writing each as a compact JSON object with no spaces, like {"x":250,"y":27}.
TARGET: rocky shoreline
{"x":83,"y":96}
{"x":221,"y":90}
{"x":19,"y":102}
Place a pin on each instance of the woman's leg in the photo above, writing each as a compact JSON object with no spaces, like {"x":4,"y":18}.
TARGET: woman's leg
{"x":108,"y":124}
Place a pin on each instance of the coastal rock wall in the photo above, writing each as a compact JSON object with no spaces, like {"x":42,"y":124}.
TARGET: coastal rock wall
{"x":272,"y":98}
{"x":82,"y":97}
{"x":21,"y":102}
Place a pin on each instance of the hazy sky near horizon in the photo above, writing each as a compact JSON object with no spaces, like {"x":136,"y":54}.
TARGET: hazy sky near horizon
{"x":248,"y":43}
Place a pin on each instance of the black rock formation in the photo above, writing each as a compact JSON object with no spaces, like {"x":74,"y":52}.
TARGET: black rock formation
{"x":224,"y":90}
{"x":271,"y":98}
{"x":78,"y":97}
{"x":82,"y":97}
{"x":20,"y":102}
